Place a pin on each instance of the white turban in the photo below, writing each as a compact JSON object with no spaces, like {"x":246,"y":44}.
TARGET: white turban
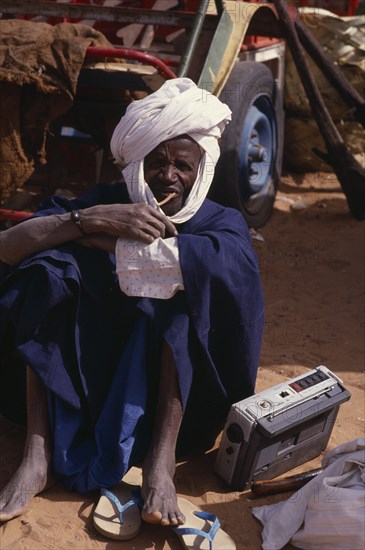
{"x":179,"y":107}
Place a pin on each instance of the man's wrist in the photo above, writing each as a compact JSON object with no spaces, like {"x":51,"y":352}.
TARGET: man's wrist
{"x":76,"y":219}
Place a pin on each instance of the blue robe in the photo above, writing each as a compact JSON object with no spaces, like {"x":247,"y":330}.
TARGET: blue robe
{"x":97,"y":351}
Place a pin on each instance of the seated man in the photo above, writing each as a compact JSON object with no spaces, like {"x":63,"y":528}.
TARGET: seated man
{"x":135,"y":312}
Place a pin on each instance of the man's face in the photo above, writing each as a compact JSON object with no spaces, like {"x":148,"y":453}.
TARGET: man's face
{"x":172,"y":167}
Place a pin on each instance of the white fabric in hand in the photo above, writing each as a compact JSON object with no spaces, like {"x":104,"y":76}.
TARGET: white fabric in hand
{"x":149,"y":270}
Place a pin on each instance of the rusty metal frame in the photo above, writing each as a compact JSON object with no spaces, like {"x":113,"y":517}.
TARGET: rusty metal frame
{"x":262,"y":27}
{"x":103,"y":13}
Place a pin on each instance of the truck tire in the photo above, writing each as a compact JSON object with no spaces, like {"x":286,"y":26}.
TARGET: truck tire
{"x":248,"y":171}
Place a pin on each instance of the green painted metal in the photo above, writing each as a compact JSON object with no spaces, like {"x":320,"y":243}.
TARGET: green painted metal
{"x":208,"y":77}
{"x":193,"y":38}
{"x":233,"y":25}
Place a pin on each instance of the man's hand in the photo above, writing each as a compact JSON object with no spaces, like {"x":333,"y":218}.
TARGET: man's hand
{"x":138,"y":222}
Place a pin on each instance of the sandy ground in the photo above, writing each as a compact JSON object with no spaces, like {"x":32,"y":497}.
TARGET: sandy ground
{"x":311,"y":258}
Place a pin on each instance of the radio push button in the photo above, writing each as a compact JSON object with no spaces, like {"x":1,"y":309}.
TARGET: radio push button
{"x":296,"y":387}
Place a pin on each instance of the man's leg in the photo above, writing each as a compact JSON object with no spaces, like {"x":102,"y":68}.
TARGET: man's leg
{"x":158,"y":489}
{"x":32,"y":474}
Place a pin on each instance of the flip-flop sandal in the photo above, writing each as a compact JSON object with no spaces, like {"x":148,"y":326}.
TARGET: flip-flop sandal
{"x":201,"y":530}
{"x":117,"y":514}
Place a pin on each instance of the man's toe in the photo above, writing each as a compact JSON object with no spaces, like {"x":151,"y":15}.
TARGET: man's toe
{"x":181,"y":519}
{"x":165,"y":521}
{"x":173,"y":520}
{"x":152,"y":516}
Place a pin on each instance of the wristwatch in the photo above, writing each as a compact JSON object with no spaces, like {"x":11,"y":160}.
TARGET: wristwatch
{"x":76,"y":219}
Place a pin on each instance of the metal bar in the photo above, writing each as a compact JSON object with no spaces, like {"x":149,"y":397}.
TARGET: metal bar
{"x":132,"y":54}
{"x":193,"y":38}
{"x":103,"y":13}
{"x":14,"y":215}
{"x":220,"y":6}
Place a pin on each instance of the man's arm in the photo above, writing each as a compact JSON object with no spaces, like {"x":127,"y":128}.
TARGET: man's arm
{"x":138,"y":222}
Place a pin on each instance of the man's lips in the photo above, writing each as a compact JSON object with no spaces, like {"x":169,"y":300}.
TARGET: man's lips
{"x":166,"y":191}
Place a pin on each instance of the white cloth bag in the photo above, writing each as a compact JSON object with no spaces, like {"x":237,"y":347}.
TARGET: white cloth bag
{"x":328,"y":513}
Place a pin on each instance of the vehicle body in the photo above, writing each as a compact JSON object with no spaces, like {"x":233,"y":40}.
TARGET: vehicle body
{"x":232,"y":49}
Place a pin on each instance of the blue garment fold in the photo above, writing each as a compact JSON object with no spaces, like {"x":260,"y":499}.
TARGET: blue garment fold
{"x":97,"y":351}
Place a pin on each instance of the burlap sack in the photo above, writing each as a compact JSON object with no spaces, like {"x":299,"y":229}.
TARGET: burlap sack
{"x":39,"y":68}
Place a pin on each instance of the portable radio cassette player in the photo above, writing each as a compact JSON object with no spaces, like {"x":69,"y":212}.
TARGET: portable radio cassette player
{"x":279,"y":428}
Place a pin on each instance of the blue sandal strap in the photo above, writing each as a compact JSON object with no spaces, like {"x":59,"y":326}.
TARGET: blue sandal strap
{"x":120,"y":507}
{"x":192,"y":531}
{"x":137,"y":497}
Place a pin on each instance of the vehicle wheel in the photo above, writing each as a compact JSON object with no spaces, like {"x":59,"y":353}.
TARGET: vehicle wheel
{"x":248,"y":170}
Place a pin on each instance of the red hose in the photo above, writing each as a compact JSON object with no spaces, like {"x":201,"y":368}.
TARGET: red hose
{"x":14,"y":215}
{"x":135,"y":55}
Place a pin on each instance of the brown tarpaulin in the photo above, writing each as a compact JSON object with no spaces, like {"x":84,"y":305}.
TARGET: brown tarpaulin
{"x":39,"y":68}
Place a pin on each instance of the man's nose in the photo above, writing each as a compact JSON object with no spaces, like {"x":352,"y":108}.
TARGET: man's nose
{"x":169,"y":174}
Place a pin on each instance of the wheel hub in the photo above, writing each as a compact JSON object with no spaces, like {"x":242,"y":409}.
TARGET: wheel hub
{"x":256,"y":149}
{"x":257,"y":153}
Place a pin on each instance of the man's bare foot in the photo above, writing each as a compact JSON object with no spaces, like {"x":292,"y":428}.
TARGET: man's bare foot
{"x":158,"y":489}
{"x":30,"y":479}
{"x":159,"y":495}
